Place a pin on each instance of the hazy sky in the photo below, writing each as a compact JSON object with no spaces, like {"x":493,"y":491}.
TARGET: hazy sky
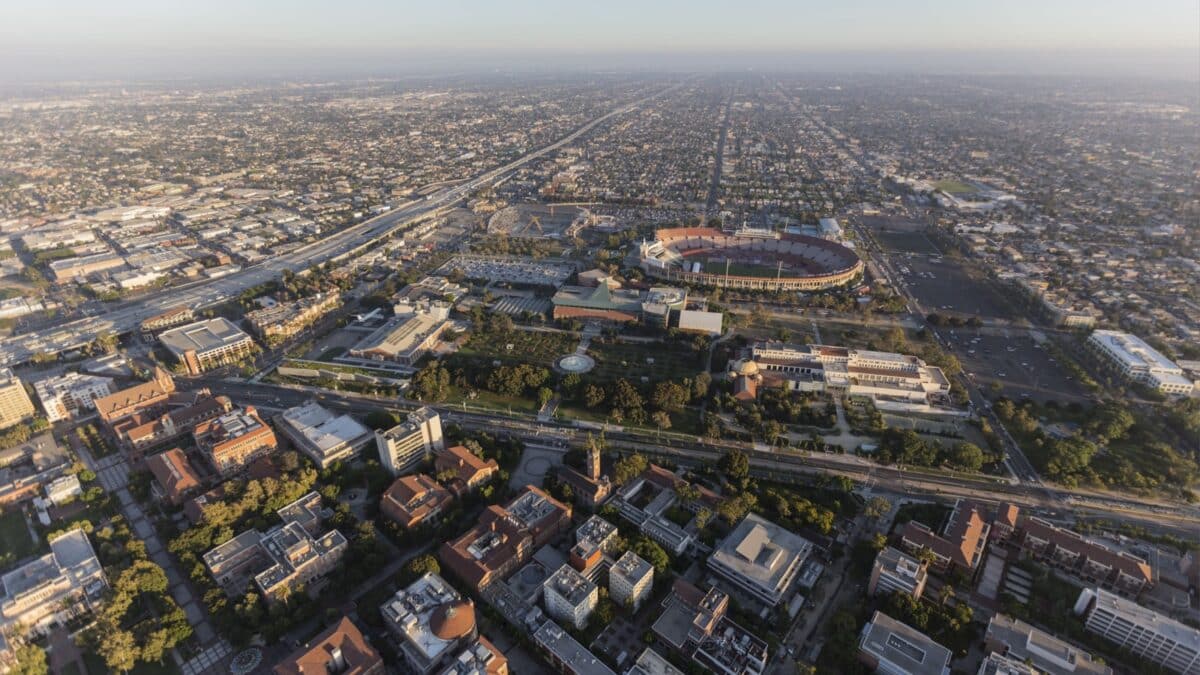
{"x":110,"y":37}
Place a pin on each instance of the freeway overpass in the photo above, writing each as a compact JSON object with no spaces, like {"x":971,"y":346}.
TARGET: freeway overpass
{"x":126,"y":317}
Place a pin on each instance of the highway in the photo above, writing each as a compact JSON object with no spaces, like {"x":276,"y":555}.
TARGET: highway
{"x":126,"y":317}
{"x":777,"y":465}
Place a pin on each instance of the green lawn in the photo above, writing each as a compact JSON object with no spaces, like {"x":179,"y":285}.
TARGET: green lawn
{"x":532,"y":347}
{"x":953,"y":187}
{"x":491,"y":401}
{"x":15,"y":542}
{"x":633,"y":360}
{"x":742,"y":269}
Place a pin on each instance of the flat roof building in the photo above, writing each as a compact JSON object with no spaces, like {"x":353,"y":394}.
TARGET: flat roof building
{"x":1018,"y":640}
{"x":323,"y":436}
{"x":570,"y":597}
{"x":405,"y":446}
{"x":894,"y":648}
{"x":15,"y":406}
{"x":64,"y":583}
{"x":430,"y":622}
{"x":894,"y":571}
{"x":630,"y":581}
{"x":205,"y":344}
{"x":1142,"y":631}
{"x":696,"y":624}
{"x":649,"y":662}
{"x":405,"y":338}
{"x":64,"y":396}
{"x":478,"y":658}
{"x":1137,"y":361}
{"x":566,"y":654}
{"x":761,"y":559}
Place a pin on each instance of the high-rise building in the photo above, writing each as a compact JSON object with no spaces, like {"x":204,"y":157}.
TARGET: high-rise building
{"x":570,"y":597}
{"x":892,"y":647}
{"x":1142,"y":631}
{"x":403,"y":447}
{"x":65,"y":395}
{"x":894,"y":571}
{"x":15,"y":406}
{"x":630,"y":581}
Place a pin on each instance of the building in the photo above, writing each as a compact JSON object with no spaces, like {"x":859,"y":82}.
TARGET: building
{"x":174,"y":478}
{"x":147,"y":397}
{"x":405,"y":446}
{"x":142,"y":431}
{"x":27,"y":467}
{"x":341,"y":649}
{"x":643,"y":501}
{"x":206,"y":344}
{"x":1143,"y":632}
{"x":565,"y":653}
{"x":281,"y":560}
{"x":466,"y":472}
{"x":649,"y":662}
{"x":761,"y":559}
{"x":407,"y":337}
{"x":15,"y":406}
{"x":63,"y":489}
{"x":885,"y":377}
{"x":895,"y":572}
{"x":1021,"y":642}
{"x":505,"y":537}
{"x":570,"y":597}
{"x":1084,"y":558}
{"x":286,"y":319}
{"x":589,"y":487}
{"x":47,"y":591}
{"x":81,"y":266}
{"x":415,"y":500}
{"x":66,"y":395}
{"x":234,"y":440}
{"x":430,"y":622}
{"x":995,"y":664}
{"x":894,"y":648}
{"x":605,"y":303}
{"x":708,"y":323}
{"x":594,"y":539}
{"x":696,"y":624}
{"x":479,"y":658}
{"x":323,"y":436}
{"x":961,"y":543}
{"x":630,"y":581}
{"x":1136,"y":361}
{"x":171,"y":318}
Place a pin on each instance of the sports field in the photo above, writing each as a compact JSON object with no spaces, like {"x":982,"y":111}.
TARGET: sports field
{"x":740,"y":269}
{"x":955,"y":187}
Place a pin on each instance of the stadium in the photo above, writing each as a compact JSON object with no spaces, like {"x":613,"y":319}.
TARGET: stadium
{"x":766,"y":262}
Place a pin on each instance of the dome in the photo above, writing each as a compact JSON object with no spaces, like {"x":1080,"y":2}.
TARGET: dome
{"x":453,"y":620}
{"x":745,"y":367}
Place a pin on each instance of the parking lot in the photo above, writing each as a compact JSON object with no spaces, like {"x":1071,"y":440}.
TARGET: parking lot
{"x":942,"y":285}
{"x":1014,"y":361}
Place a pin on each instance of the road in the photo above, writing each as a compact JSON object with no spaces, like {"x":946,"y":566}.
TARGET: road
{"x":768,"y":463}
{"x":714,"y":189}
{"x":126,"y":317}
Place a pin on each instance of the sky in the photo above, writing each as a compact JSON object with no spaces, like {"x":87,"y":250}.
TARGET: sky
{"x":136,"y":38}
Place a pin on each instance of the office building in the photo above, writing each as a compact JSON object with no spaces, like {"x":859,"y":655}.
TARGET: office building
{"x":570,"y":597}
{"x":961,"y":543}
{"x":430,"y":623}
{"x":505,"y":537}
{"x":174,"y":478}
{"x":234,"y":440}
{"x":643,"y":502}
{"x":630,"y":581}
{"x":62,"y":584}
{"x":207,"y":344}
{"x":27,"y":467}
{"x":995,"y":664}
{"x":469,"y":471}
{"x":69,"y":394}
{"x":405,"y":446}
{"x":894,"y":572}
{"x":894,"y":648}
{"x":478,"y":658}
{"x":15,"y":406}
{"x":1021,"y":642}
{"x":649,"y":662}
{"x":696,"y":624}
{"x":148,"y":397}
{"x":341,"y":649}
{"x":415,"y":500}
{"x":284,"y":558}
{"x":1136,"y":361}
{"x":63,"y":489}
{"x":565,"y":653}
{"x":1141,"y":631}
{"x":323,"y":436}
{"x":594,"y":539}
{"x":760,"y":559}
{"x":405,"y":338}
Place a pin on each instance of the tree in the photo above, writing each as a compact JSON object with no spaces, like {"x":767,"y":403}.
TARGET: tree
{"x":628,"y":468}
{"x":966,"y":456}
{"x":700,"y":385}
{"x":421,"y":565}
{"x":877,"y":507}
{"x":703,"y":516}
{"x":649,"y":550}
{"x":544,"y":395}
{"x":593,"y":396}
{"x":118,"y":648}
{"x":735,"y":465}
{"x":381,"y":419}
{"x":670,"y":396}
{"x":661,"y":419}
{"x":30,"y":660}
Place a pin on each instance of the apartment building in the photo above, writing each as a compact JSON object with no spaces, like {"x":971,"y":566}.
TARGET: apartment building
{"x":1084,"y":558}
{"x":415,"y":500}
{"x":66,"y":395}
{"x":594,"y":539}
{"x":405,"y":446}
{"x":1136,"y":361}
{"x":570,"y":597}
{"x":894,"y":571}
{"x":430,"y":623}
{"x":696,"y":624}
{"x":505,"y":537}
{"x":630,"y":581}
{"x":340,"y":649}
{"x":1017,"y":640}
{"x":891,"y":647}
{"x":761,"y":559}
{"x":1143,"y":632}
{"x":961,"y":543}
{"x":50,"y":590}
{"x":286,"y":319}
{"x":207,"y":344}
{"x":171,"y":318}
{"x":234,"y":440}
{"x":323,"y":436}
{"x":15,"y":406}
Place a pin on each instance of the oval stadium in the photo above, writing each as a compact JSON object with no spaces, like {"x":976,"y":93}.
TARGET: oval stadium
{"x":704,"y":256}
